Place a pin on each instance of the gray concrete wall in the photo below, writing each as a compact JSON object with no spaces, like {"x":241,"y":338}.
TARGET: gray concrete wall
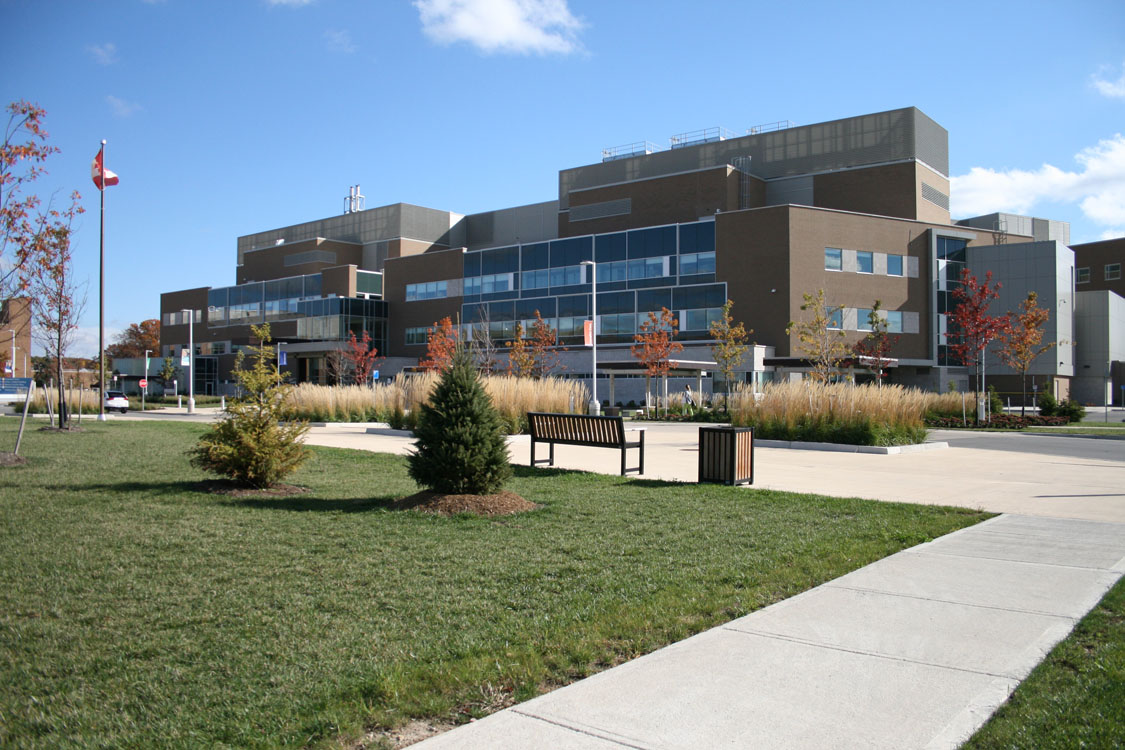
{"x":1046,"y":268}
{"x":1100,"y":341}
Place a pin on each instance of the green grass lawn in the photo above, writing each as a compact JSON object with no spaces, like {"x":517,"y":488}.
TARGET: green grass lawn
{"x":139,"y":611}
{"x":1076,"y":697}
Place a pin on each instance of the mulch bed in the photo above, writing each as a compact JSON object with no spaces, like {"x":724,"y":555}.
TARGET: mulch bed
{"x":11,"y":459}
{"x":233,"y":489}
{"x":500,"y":504}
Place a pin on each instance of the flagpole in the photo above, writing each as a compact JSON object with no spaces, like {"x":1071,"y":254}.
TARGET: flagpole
{"x":101,"y":295}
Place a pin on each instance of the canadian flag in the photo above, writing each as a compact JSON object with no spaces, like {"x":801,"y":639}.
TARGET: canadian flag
{"x":101,"y":176}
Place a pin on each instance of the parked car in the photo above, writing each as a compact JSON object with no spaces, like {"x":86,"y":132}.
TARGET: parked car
{"x":115,"y":400}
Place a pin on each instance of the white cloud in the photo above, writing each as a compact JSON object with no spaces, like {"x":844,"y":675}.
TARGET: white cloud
{"x":1098,"y":189}
{"x":517,"y":26}
{"x":291,"y":3}
{"x":103,"y":54}
{"x":339,"y":41}
{"x":1112,"y":89}
{"x":1112,"y":234}
{"x":122,"y":108}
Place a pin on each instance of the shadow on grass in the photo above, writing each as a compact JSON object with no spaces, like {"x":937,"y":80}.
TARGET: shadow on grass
{"x":152,"y":488}
{"x":304,"y":504}
{"x":543,"y":472}
{"x":659,"y":483}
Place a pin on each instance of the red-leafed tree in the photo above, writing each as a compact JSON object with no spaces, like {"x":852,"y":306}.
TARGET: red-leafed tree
{"x":134,"y":340}
{"x":970,"y":329}
{"x":655,"y":343}
{"x":1022,"y":342}
{"x":441,"y":343}
{"x":362,"y":357}
{"x":27,"y":231}
{"x":874,"y":349}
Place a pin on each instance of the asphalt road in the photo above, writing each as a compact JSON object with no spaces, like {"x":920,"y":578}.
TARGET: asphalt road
{"x":1099,"y":447}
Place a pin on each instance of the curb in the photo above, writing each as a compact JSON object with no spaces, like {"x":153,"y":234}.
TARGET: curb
{"x":881,"y":450}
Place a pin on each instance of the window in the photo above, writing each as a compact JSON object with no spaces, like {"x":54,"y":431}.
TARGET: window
{"x":536,"y":279}
{"x":894,"y":265}
{"x":836,"y":318}
{"x":416,"y":335}
{"x":693,"y":263}
{"x":894,"y":321}
{"x":1084,"y":275}
{"x":833,"y":259}
{"x":428,"y":290}
{"x":865,"y":261}
{"x":863,"y":319}
{"x":1112,"y":271}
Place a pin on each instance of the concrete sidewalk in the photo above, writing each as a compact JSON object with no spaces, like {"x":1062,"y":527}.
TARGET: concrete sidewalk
{"x":914,"y":651}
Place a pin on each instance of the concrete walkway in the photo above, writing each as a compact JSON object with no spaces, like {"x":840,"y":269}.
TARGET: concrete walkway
{"x":914,"y":651}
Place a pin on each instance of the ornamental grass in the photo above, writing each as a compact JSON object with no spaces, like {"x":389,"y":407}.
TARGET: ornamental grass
{"x":832,"y":413}
{"x":397,"y":401}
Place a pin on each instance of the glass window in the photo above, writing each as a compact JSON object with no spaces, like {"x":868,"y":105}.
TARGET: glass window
{"x":833,"y":259}
{"x":863,"y":319}
{"x":951,"y":248}
{"x":894,"y":265}
{"x":695,"y":263}
{"x":1083,"y":276}
{"x":653,"y":299}
{"x":865,"y":261}
{"x":1112,"y":271}
{"x":609,"y":247}
{"x":534,"y":257}
{"x":894,"y":321}
{"x":836,"y":318}
{"x":536,"y":279}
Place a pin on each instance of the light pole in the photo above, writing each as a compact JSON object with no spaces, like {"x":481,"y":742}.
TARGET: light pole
{"x":191,"y":361}
{"x":144,"y":391}
{"x":595,"y":405}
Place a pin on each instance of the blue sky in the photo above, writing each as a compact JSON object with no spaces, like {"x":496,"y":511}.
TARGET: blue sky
{"x":229,"y":117}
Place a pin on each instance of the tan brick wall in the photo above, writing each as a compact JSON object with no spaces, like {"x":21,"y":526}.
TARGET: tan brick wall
{"x":663,"y":200}
{"x":398,"y":272}
{"x":263,"y":265}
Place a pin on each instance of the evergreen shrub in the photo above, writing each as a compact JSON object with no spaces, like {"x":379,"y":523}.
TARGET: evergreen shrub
{"x":250,"y":444}
{"x":462,"y":448}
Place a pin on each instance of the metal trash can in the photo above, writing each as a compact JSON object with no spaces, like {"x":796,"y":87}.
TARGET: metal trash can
{"x":726,"y":455}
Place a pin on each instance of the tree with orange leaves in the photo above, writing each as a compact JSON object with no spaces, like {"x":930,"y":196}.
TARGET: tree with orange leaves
{"x":655,"y":343}
{"x":1022,"y":342}
{"x":521,"y":361}
{"x":362,"y":356}
{"x":544,"y":348}
{"x":441,"y":342}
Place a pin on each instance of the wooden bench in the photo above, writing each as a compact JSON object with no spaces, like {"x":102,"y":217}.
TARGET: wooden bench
{"x":580,"y":429}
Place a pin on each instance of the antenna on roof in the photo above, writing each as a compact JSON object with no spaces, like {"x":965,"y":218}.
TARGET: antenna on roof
{"x":355,"y":200}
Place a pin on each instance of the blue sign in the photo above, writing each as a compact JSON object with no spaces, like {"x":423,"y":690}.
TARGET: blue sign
{"x":281,"y":358}
{"x":374,"y":374}
{"x":14,"y":385}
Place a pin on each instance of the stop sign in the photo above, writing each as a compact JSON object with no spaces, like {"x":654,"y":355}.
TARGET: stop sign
{"x":144,"y":383}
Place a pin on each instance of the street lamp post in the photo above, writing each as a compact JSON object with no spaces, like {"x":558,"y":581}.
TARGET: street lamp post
{"x":144,"y":391}
{"x":595,"y":405}
{"x":191,"y":361}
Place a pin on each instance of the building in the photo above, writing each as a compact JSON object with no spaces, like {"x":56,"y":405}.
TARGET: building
{"x":15,"y":338}
{"x":858,"y":207}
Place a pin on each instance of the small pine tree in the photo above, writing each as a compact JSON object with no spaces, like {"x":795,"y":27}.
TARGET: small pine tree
{"x":461,"y":448}
{"x":250,"y":444}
